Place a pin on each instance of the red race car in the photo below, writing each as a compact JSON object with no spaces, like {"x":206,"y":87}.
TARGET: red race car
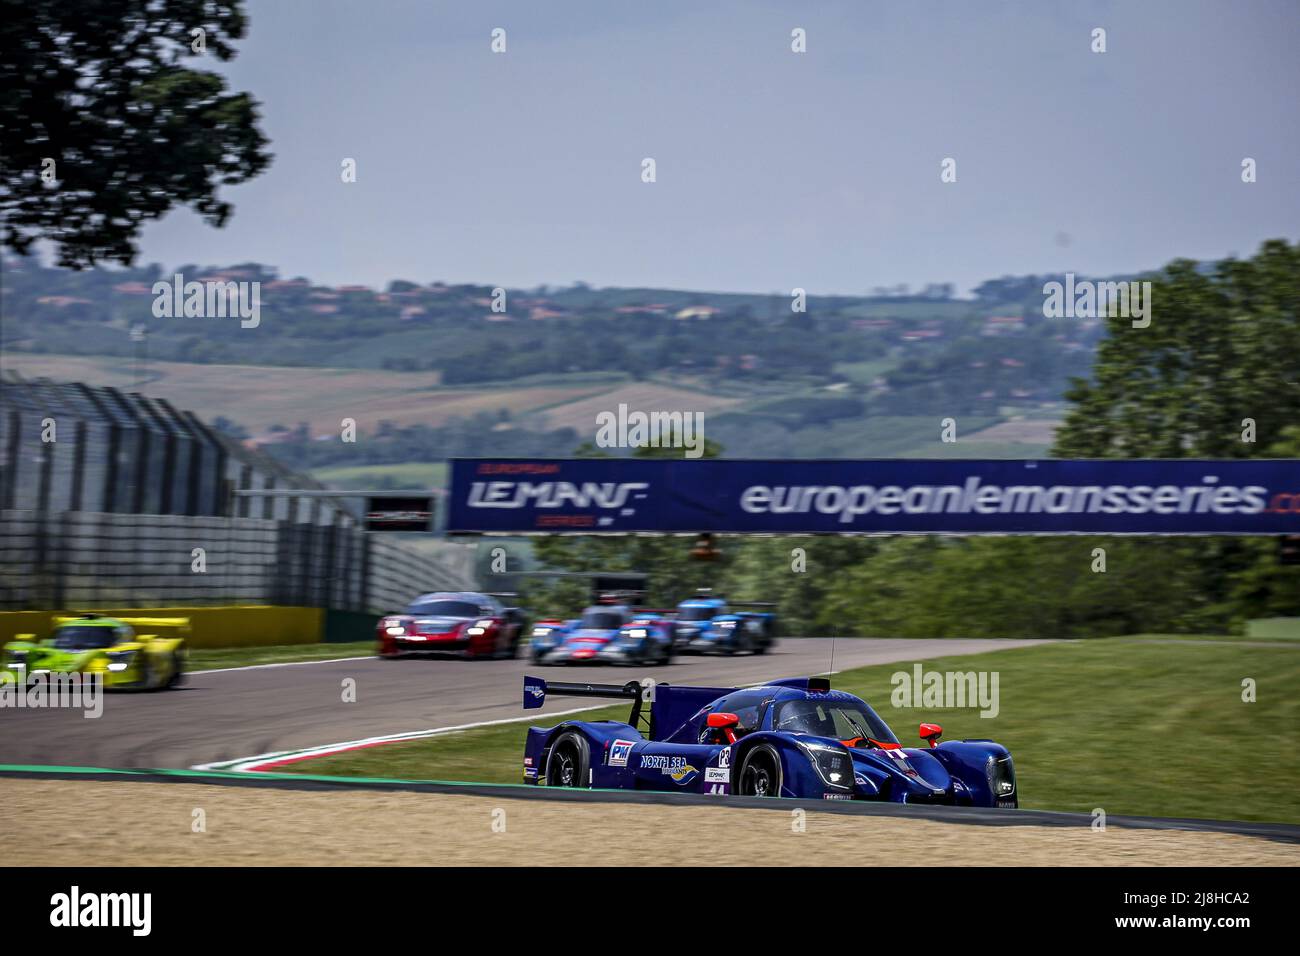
{"x":457,"y":622}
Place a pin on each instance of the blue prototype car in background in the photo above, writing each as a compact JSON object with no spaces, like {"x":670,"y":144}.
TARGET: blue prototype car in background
{"x":706,"y":624}
{"x":605,"y":634}
{"x":790,"y":738}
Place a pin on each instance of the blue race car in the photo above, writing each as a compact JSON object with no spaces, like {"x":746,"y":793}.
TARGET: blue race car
{"x":706,"y":625}
{"x":605,"y":634}
{"x":790,"y":738}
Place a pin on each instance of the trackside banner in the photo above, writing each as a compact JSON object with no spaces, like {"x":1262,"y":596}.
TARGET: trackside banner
{"x":879,"y":496}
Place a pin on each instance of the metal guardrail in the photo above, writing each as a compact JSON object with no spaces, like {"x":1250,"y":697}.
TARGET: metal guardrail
{"x":85,"y":560}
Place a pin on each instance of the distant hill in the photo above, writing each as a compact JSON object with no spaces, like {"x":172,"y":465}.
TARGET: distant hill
{"x":847,"y":376}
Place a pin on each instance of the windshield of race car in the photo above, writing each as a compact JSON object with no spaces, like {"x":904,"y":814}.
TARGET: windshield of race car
{"x":83,"y":637}
{"x":602,"y":620}
{"x":445,"y":609}
{"x":695,"y":614}
{"x":840,"y":719}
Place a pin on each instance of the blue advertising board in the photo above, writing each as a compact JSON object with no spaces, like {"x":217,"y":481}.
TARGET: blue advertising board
{"x":883,"y":496}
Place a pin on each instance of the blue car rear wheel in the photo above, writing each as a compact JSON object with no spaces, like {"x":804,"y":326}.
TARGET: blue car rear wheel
{"x":568,"y":762}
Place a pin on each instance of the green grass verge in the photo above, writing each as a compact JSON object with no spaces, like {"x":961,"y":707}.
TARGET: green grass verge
{"x":1226,"y":638}
{"x":1147,"y":729}
{"x":210,"y":659}
{"x":1274,"y":629}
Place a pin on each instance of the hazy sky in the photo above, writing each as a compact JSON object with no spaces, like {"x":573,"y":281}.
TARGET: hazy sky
{"x":775,"y":169}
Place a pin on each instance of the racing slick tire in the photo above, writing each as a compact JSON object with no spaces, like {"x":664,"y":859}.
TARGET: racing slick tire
{"x":569,"y":760}
{"x":146,"y":681}
{"x":760,"y":773}
{"x":178,"y":673}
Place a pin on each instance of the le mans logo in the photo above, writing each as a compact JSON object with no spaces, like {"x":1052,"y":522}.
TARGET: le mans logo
{"x":77,"y":909}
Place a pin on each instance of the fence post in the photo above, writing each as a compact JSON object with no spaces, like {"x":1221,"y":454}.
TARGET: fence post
{"x":268,"y":501}
{"x":11,"y":460}
{"x":61,"y":565}
{"x":141,"y":472}
{"x":109,"y":491}
{"x":364,"y":540}
{"x":167,"y":485}
{"x":78,"y":466}
{"x":331,"y":553}
{"x":245,"y":483}
{"x":46,"y":475}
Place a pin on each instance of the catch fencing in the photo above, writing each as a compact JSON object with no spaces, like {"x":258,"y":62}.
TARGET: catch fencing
{"x":110,"y":499}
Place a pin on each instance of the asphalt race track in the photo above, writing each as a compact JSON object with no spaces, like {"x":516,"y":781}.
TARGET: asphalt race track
{"x":224,"y":715}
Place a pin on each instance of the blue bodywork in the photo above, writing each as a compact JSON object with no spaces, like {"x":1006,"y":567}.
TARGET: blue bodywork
{"x":605,"y":634}
{"x":672,"y":748}
{"x":707,"y":625}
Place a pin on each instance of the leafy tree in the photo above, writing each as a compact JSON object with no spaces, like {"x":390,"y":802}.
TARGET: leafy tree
{"x":1221,"y":347}
{"x":107,"y":90}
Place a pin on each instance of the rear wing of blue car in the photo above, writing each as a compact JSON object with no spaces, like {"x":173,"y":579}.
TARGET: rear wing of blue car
{"x":670,"y":705}
{"x":536,"y":689}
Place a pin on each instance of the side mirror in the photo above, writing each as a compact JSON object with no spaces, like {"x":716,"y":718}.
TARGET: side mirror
{"x":931,"y":734}
{"x":727,"y":723}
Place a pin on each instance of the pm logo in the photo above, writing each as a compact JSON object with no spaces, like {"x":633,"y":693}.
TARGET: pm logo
{"x":619,"y":751}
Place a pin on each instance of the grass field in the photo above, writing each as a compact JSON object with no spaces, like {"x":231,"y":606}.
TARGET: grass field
{"x":1130,"y":727}
{"x":258,"y":397}
{"x":864,"y":373}
{"x":580,"y":414}
{"x":875,"y":436}
{"x":206,"y":660}
{"x":410,"y":474}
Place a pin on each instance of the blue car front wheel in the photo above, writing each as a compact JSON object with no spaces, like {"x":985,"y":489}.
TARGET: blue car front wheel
{"x":760,"y":773}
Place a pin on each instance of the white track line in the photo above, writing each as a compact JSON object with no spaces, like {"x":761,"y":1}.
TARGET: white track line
{"x":251,"y":764}
{"x":253,"y":667}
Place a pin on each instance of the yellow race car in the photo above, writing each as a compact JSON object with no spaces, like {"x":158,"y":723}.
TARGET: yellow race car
{"x":129,"y":652}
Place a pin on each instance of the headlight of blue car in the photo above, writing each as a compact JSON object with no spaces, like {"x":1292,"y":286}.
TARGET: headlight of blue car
{"x":1001,"y":773}
{"x":833,"y":763}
